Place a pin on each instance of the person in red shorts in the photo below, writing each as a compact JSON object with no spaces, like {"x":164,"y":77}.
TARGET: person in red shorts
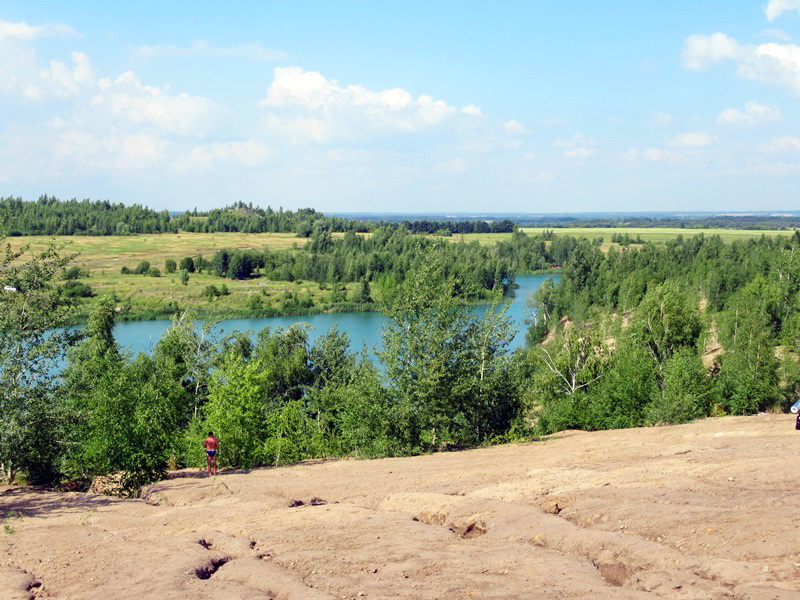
{"x":211,"y":444}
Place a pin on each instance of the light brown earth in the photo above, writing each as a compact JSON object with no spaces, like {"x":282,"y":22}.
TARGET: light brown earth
{"x":706,"y":510}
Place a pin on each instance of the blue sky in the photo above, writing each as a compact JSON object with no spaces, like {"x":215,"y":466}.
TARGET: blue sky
{"x":404,"y":106}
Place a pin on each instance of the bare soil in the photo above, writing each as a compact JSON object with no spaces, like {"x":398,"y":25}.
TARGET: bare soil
{"x":705,"y":510}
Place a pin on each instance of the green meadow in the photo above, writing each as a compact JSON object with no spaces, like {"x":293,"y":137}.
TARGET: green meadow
{"x":657,"y":234}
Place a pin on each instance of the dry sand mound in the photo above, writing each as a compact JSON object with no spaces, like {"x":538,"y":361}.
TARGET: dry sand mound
{"x":704,"y":510}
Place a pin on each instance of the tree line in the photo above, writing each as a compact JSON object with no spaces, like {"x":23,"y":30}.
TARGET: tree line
{"x":50,"y":216}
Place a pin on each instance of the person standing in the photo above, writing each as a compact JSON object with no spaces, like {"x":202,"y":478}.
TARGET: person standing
{"x":211,"y":444}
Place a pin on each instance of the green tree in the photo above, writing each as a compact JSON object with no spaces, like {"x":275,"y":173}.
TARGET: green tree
{"x":31,"y":311}
{"x":438,"y":357}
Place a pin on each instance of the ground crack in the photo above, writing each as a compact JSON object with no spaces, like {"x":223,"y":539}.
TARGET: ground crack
{"x":208,"y":569}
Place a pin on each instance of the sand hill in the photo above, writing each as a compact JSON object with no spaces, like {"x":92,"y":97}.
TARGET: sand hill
{"x":705,"y":510}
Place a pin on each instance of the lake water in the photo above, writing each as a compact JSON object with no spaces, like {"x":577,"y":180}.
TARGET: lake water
{"x":362,"y":327}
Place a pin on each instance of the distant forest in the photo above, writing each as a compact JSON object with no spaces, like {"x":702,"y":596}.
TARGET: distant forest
{"x":50,"y":216}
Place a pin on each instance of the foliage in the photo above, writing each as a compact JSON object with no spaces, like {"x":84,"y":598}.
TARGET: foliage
{"x":31,"y":310}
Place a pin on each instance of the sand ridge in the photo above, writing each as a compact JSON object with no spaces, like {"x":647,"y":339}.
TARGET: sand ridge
{"x":704,"y":510}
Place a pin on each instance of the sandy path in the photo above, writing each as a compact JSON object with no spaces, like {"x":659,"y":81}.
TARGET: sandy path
{"x":704,"y":510}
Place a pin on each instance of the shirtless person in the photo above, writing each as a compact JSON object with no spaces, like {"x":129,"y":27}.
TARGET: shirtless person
{"x":211,"y":444}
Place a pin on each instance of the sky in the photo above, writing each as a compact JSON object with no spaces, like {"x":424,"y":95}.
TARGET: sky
{"x":429,"y":106}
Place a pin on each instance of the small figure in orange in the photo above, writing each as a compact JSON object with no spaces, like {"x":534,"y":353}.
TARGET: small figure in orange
{"x":211,"y":444}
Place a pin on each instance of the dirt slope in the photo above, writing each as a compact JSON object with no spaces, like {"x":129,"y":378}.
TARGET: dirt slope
{"x":706,"y":510}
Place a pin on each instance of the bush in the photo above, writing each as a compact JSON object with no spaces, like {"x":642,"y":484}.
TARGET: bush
{"x":142,"y":268}
{"x":77,"y":289}
{"x":153,"y":272}
{"x":170,"y":266}
{"x":74,"y":272}
{"x":211,"y":292}
{"x":187,"y":264}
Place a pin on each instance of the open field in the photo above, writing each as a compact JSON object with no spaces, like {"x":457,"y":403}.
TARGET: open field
{"x":703,"y":510}
{"x":104,"y":254}
{"x":142,"y":296}
{"x":656,"y":234}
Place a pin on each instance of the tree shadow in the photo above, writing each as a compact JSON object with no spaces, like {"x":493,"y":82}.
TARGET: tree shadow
{"x":41,"y":502}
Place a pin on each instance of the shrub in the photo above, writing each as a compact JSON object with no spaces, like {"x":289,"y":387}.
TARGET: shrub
{"x":77,"y":289}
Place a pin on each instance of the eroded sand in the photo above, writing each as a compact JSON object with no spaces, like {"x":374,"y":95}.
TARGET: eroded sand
{"x":706,"y":510}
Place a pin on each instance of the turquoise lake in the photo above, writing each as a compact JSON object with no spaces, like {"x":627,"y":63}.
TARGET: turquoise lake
{"x":362,"y":328}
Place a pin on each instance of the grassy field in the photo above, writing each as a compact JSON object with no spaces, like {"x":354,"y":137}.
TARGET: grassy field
{"x":105,"y":254}
{"x":140,"y":296}
{"x":655,"y":234}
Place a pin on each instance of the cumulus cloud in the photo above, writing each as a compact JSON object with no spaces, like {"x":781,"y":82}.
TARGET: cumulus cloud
{"x":656,"y":154}
{"x":202,"y":158}
{"x":10,"y":30}
{"x":60,"y":80}
{"x":308,"y":105}
{"x":578,"y":147}
{"x":778,"y":34}
{"x":660,"y":119}
{"x":514,"y":127}
{"x":773,"y":63}
{"x":127,"y":97}
{"x":204,"y":48}
{"x":579,"y":139}
{"x":702,"y":51}
{"x":775,"y":8}
{"x":454,"y":166}
{"x":781,"y":145}
{"x":753,"y":113}
{"x":692,"y":139}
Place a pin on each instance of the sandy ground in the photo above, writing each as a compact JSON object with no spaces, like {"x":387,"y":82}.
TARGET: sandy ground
{"x":705,"y":510}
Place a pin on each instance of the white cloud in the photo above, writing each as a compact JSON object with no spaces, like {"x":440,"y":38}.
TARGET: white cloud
{"x":83,"y":151}
{"x":579,"y":139}
{"x":204,"y":48}
{"x":454,"y":166}
{"x":23,"y":31}
{"x":203,"y":158}
{"x":537,"y":176}
{"x":692,"y":139}
{"x":579,"y":153}
{"x":781,"y":145}
{"x":578,"y":147}
{"x":307,"y":105}
{"x":656,"y":155}
{"x":753,"y":113}
{"x":514,"y":127}
{"x":773,"y":63}
{"x":702,"y":51}
{"x":660,"y":119}
{"x":778,"y":34}
{"x":140,"y":104}
{"x":775,"y":8}
{"x":60,"y":80}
